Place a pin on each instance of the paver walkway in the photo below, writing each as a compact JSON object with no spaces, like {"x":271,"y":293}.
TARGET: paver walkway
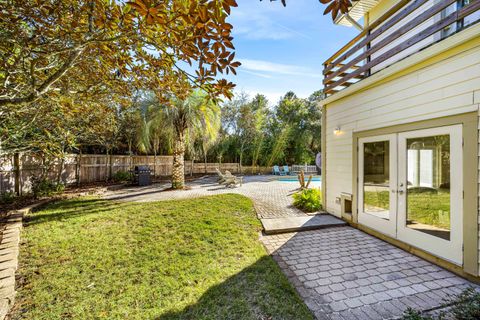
{"x":344,"y":273}
{"x":340,"y":272}
{"x":272,"y":198}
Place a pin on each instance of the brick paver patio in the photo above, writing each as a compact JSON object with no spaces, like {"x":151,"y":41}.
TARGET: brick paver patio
{"x":344,"y":273}
{"x":272,"y":198}
{"x":340,"y":272}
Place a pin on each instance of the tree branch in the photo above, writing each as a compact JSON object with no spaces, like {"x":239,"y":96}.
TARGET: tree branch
{"x":45,"y":86}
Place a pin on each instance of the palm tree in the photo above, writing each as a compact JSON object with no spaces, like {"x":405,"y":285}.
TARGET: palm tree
{"x":193,"y":117}
{"x":196,"y":118}
{"x":144,"y":139}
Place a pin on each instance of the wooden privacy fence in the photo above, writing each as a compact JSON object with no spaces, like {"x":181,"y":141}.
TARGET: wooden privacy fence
{"x":16,"y":172}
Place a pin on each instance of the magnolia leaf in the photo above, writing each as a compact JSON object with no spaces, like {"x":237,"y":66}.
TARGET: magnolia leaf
{"x":231,"y":3}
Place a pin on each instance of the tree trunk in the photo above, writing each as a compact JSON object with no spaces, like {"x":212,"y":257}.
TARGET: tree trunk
{"x":110,"y":167}
{"x":155,"y":162}
{"x":178,"y":172}
{"x":241,"y":155}
{"x":18,"y":174}
{"x":205,"y":161}
{"x":60,"y":169}
{"x":106,"y":166}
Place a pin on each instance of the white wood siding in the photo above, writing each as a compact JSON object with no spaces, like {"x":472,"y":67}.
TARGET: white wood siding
{"x":446,"y":88}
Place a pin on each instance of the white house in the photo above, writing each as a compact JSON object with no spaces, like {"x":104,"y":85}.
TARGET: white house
{"x":400,"y":127}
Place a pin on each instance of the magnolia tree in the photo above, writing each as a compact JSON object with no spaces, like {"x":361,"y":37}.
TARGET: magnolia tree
{"x":333,"y":6}
{"x":78,"y":47}
{"x":96,"y":55}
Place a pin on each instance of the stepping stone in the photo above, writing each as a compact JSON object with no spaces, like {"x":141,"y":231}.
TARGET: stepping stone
{"x":294,"y":224}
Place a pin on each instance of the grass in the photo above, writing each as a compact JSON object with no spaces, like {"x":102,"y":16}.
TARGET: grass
{"x":191,"y":259}
{"x":423,"y":207}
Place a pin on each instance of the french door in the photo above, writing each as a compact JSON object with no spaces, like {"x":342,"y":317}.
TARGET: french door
{"x":410,"y":188}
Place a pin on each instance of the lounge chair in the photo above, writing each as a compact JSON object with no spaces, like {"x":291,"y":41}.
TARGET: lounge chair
{"x":228,"y":179}
{"x":221,"y":176}
{"x":286,"y":170}
{"x":277,"y":172}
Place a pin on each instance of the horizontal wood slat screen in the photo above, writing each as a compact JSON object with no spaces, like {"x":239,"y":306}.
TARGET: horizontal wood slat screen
{"x":356,"y":60}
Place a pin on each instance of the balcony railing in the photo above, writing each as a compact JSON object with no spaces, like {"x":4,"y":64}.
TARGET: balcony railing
{"x":408,"y":27}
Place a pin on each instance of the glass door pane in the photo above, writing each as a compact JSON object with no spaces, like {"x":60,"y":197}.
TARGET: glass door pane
{"x":376,"y":178}
{"x":428,"y":185}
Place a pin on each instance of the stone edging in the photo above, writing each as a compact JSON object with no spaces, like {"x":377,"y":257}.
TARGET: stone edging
{"x":9,"y":250}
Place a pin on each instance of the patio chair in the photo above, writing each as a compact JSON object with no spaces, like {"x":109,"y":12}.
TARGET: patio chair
{"x":233,"y":181}
{"x":277,"y":172}
{"x":219,"y":174}
{"x":228,"y":179}
{"x":286,"y":170}
{"x":223,"y":177}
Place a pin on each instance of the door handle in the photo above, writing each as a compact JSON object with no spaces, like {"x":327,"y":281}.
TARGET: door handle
{"x":400,"y":190}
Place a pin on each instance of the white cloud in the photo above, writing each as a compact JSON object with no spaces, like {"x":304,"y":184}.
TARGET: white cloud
{"x":258,"y":74}
{"x":268,"y":67}
{"x":259,"y":25}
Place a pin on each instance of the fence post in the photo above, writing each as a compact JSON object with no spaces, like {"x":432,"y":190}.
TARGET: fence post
{"x":78,"y":168}
{"x":17,"y":172}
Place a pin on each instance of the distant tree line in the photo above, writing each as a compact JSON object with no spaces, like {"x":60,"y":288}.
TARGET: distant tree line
{"x":252,"y":133}
{"x":246,"y":130}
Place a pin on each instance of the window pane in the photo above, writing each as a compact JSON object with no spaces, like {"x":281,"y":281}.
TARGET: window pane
{"x":428,"y":191}
{"x":376,"y":178}
{"x":473,"y":18}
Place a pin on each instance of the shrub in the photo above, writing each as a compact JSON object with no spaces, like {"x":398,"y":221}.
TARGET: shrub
{"x":308,"y":200}
{"x":411,"y":314}
{"x":43,"y":187}
{"x":121,"y":176}
{"x":465,"y":306}
{"x":7,"y":197}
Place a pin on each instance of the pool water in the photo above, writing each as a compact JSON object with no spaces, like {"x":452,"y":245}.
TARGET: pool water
{"x":295,"y":179}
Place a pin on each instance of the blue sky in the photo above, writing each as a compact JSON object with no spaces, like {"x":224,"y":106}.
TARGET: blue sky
{"x":283,"y":48}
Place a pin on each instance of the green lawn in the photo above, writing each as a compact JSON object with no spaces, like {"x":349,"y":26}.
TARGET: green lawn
{"x":423,"y":207}
{"x":187,"y":259}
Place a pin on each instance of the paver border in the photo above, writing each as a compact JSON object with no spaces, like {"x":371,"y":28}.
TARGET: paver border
{"x":9,"y":251}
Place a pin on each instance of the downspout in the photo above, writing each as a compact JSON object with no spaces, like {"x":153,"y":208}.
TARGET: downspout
{"x":324,"y":157}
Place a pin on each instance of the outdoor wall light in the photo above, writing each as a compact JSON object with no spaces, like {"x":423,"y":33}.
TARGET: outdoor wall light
{"x":337,"y":131}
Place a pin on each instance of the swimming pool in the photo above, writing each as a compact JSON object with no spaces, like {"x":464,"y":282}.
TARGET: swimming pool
{"x":295,"y":179}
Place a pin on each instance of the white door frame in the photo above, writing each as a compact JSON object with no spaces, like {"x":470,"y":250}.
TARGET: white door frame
{"x":448,"y":249}
{"x":388,"y":227}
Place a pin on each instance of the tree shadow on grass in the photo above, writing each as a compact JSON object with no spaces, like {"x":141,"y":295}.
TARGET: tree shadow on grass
{"x":260,"y":291}
{"x":63,"y":210}
{"x":135,"y":194}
